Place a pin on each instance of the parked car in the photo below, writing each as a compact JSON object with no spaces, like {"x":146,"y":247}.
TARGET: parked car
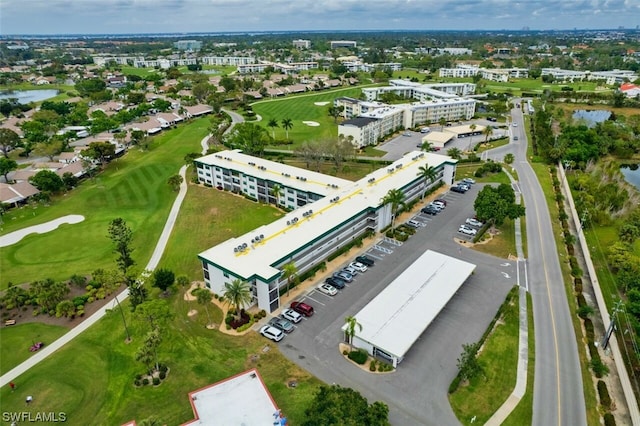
{"x":272,"y":333}
{"x":425,"y":130}
{"x":493,"y":119}
{"x":439,"y":204}
{"x":336,"y":282}
{"x":327,"y":289}
{"x":291,"y":315}
{"x":358,"y":266}
{"x":282,"y":324}
{"x":430,"y":210}
{"x":459,"y":189}
{"x":441,"y":200}
{"x":468,"y":181}
{"x":350,"y":270}
{"x":406,"y":134}
{"x":365,"y":260}
{"x":413,"y":223}
{"x":465,"y":229}
{"x":302,"y":308}
{"x":474,"y":222}
{"x":515,"y":138}
{"x":435,"y":206}
{"x":343,"y":275}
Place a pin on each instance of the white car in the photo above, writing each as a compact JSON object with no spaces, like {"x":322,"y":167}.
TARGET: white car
{"x":515,"y":124}
{"x":291,"y":315}
{"x":327,"y":289}
{"x":467,"y":230}
{"x":468,"y":181}
{"x":351,"y":270}
{"x":272,"y":333}
{"x":439,"y":204}
{"x":474,"y":222}
{"x":358,"y":266}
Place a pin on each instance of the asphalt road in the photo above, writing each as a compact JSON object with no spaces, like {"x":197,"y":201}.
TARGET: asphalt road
{"x":558,"y":389}
{"x":417,"y":391}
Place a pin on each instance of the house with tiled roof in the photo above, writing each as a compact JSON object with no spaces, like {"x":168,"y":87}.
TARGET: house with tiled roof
{"x":16,"y":193}
{"x":630,"y":90}
{"x":198,"y":110}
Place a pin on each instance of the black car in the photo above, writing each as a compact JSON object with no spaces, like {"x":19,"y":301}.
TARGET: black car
{"x":459,"y":189}
{"x":365,"y":260}
{"x":429,"y":210}
{"x":335,"y":282}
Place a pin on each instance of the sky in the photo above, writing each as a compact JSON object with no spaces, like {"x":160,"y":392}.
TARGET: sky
{"x":52,"y":17}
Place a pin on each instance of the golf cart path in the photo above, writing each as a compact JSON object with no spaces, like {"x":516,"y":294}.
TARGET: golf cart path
{"x":43,"y":228}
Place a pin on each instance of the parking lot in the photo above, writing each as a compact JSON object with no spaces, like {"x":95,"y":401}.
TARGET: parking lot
{"x":417,"y":391}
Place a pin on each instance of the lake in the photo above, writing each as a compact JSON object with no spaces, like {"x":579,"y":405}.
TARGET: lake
{"x":631,"y":174}
{"x":26,"y":96}
{"x":592,"y":117}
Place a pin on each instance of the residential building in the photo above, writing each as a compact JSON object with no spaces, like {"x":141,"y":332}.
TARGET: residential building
{"x":306,"y":236}
{"x":343,"y":43}
{"x":193,"y":45}
{"x":301,"y":44}
{"x":630,"y":90}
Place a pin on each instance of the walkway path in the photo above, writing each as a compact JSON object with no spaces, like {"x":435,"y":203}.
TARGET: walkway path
{"x":43,"y":228}
{"x":48,"y":350}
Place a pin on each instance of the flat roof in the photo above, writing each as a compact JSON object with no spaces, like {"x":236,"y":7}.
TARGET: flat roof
{"x":284,"y":236}
{"x":358,"y":122}
{"x":437,"y":137}
{"x":400,"y":313}
{"x":464,"y":129}
{"x":239,"y":400}
{"x":270,"y":170}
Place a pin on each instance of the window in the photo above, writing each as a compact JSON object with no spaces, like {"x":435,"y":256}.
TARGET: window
{"x":226,"y":275}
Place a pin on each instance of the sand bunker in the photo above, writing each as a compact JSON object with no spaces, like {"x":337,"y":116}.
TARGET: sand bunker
{"x":311,"y":123}
{"x":14,"y":237}
{"x":321,"y":103}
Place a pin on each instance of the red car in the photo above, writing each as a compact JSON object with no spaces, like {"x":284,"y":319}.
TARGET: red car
{"x":303,"y":308}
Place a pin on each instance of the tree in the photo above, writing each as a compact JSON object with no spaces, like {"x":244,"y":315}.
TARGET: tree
{"x":49,"y":148}
{"x":46,"y":180}
{"x":248,"y":137}
{"x":428,"y":173}
{"x":509,"y":158}
{"x":48,"y":293}
{"x":495,"y":204}
{"x":289,"y":273}
{"x":156,"y":312}
{"x":473,"y":128}
{"x":65,"y":308}
{"x":487,"y":132}
{"x":204,"y":296}
{"x":8,"y":140}
{"x":273,"y":123}
{"x":335,"y":112}
{"x":454,"y":153}
{"x":276,"y":192}
{"x":175,"y":181}
{"x":352,"y":324}
{"x":69,"y":180}
{"x":468,"y":365}
{"x":121,"y":235}
{"x":163,"y":279}
{"x":100,"y":151}
{"x":426,"y":146}
{"x":442,"y":121}
{"x":15,"y":297}
{"x":287,"y":124}
{"x":335,"y":405}
{"x":7,"y":165}
{"x":237,"y":294}
{"x":148,"y":352}
{"x":395,"y":197}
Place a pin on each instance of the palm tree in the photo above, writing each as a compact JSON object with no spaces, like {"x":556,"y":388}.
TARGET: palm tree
{"x":276,"y":191}
{"x":454,"y":153}
{"x":426,"y":146}
{"x":273,"y":123}
{"x":204,"y":296}
{"x":487,"y":132}
{"x":290,"y":273}
{"x":352,"y":323}
{"x":473,"y":128}
{"x":287,"y":124}
{"x":237,"y":294}
{"x":395,"y":197}
{"x":428,"y":173}
{"x":442,"y":122}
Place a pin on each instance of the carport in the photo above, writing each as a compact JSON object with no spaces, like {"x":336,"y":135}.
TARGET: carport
{"x":397,"y":317}
{"x":437,"y":139}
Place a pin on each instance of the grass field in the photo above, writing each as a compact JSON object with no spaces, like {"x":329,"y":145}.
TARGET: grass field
{"x":16,"y":341}
{"x":91,"y":378}
{"x":302,"y":108}
{"x":484,"y":394}
{"x":133,"y":187}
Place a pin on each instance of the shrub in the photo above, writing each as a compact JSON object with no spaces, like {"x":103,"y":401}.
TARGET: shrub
{"x":599,"y":368}
{"x":163,"y":368}
{"x":345,"y":352}
{"x":372,"y":366}
{"x":578,"y":284}
{"x":585,"y":311}
{"x":603,"y":393}
{"x":162,"y":375}
{"x":570,"y":249}
{"x":145,"y":381}
{"x":609,"y":420}
{"x":358,"y":356}
{"x":588,"y":330}
{"x":576,"y":272}
{"x":156,"y":381}
{"x":582,"y":302}
{"x":136,"y":382}
{"x":138,"y":376}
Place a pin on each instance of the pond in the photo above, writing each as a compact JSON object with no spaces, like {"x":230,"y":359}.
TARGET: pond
{"x":631,"y":173}
{"x":26,"y":96}
{"x":592,"y":117}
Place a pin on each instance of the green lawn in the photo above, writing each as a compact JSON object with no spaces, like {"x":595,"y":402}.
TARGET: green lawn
{"x":133,"y":187}
{"x":16,"y":341}
{"x":302,"y":108}
{"x":91,"y":378}
{"x":484,"y":394}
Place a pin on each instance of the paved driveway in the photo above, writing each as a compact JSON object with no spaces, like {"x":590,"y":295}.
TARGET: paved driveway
{"x":417,"y":392}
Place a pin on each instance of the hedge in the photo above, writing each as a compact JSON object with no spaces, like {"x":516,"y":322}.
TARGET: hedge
{"x":603,"y":393}
{"x":609,"y":420}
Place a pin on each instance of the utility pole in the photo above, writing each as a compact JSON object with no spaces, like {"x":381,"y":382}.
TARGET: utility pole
{"x":607,"y":335}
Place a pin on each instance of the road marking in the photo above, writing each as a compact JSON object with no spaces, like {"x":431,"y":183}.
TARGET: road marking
{"x":504,"y":274}
{"x":317,"y":301}
{"x":505,"y":264}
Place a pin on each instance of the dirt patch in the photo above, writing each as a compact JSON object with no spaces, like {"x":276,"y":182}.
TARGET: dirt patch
{"x":192,"y":312}
{"x":213,"y":211}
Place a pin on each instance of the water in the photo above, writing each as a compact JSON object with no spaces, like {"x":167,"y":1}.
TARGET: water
{"x":631,"y":174}
{"x":26,"y":96}
{"x":592,"y":117}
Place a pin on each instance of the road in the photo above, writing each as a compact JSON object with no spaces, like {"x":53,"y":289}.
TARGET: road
{"x":558,"y":389}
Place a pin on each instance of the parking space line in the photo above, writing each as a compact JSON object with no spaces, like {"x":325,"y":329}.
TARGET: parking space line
{"x":309,"y":297}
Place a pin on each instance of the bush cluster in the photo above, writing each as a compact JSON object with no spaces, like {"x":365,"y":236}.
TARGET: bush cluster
{"x":358,"y":356}
{"x":488,"y":167}
{"x":603,"y":393}
{"x":609,"y":420}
